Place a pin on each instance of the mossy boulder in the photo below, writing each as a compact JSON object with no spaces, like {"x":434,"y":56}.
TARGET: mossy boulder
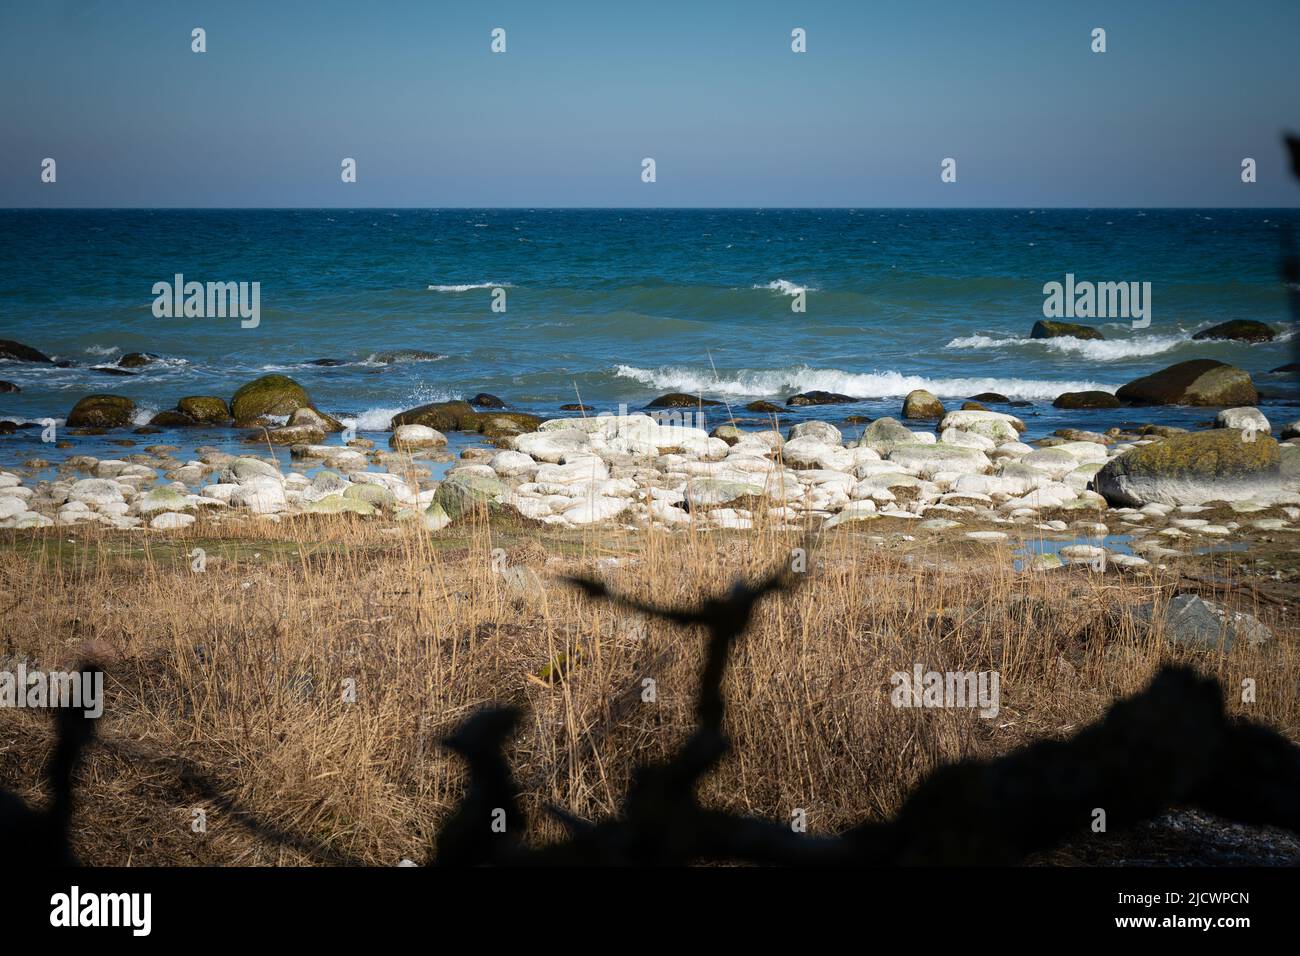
{"x":487,"y":400}
{"x":101,"y":411}
{"x":884,"y":435}
{"x":171,"y":418}
{"x":1238,"y":330}
{"x":17,"y":352}
{"x":1196,"y":382}
{"x":1047,"y":329}
{"x":767,"y":408}
{"x":922,"y":404}
{"x":1193,"y":468}
{"x":459,"y":494}
{"x":440,"y":416}
{"x":205,"y":409}
{"x":1089,"y":399}
{"x":376,"y":495}
{"x":507,"y":424}
{"x":136,"y":359}
{"x":340,"y":504}
{"x":268,"y":395}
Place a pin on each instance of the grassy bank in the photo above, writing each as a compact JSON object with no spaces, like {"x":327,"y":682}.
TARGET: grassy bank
{"x":239,"y":675}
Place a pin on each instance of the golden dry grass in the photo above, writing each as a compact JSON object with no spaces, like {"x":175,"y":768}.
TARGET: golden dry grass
{"x":240,"y":671}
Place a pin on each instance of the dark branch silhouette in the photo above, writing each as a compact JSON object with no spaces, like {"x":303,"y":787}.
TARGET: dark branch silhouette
{"x":1170,"y":745}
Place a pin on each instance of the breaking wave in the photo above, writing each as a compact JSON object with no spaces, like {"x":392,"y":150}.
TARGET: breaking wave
{"x":760,"y":383}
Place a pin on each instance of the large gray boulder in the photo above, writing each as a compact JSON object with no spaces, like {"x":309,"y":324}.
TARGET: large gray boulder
{"x":1194,"y":468}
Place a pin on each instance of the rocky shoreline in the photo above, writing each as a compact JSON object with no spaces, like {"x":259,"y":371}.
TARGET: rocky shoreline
{"x":964,"y":471}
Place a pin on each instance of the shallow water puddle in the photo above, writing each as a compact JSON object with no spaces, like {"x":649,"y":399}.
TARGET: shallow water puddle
{"x":1113,"y":543}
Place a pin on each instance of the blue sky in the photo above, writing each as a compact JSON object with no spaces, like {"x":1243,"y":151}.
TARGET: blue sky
{"x":712,"y":91}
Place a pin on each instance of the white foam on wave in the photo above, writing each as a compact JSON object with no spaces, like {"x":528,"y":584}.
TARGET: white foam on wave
{"x":758,"y":383}
{"x":786,"y":287}
{"x":1097,"y":350}
{"x":102,"y":350}
{"x":378,"y":419}
{"x":470,"y":285}
{"x":143,"y":414}
{"x":372,"y":419}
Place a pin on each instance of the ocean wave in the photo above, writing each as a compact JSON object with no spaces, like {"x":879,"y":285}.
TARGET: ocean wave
{"x":102,"y":349}
{"x":1097,"y":350}
{"x":373,"y":419}
{"x":759,"y":383}
{"x":470,"y":285}
{"x":786,"y":287}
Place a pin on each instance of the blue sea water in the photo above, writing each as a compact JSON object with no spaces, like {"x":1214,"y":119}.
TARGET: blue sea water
{"x":617,"y":306}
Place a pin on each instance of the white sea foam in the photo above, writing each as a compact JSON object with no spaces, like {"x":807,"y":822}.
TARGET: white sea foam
{"x":1097,"y":350}
{"x":372,"y":419}
{"x":786,"y":287}
{"x":377,"y":419}
{"x":755,"y":383}
{"x":470,"y":285}
{"x":102,"y":349}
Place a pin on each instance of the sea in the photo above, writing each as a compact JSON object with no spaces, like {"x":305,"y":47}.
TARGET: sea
{"x":612,"y":307}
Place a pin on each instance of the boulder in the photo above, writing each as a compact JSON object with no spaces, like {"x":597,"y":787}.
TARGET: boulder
{"x":930,"y":460}
{"x":9,"y":388}
{"x":1048,"y":329}
{"x":1191,"y":469}
{"x":1194,"y":622}
{"x":993,"y":425}
{"x":883,"y":435}
{"x":345,"y":504}
{"x":101,"y":411}
{"x":171,"y":521}
{"x":311,"y":418}
{"x":486,"y":400}
{"x":506,"y":424}
{"x":922,"y":404}
{"x":819,"y":398}
{"x":17,"y":352}
{"x":136,"y":359}
{"x":1237,"y":330}
{"x":822,"y":431}
{"x":416,"y":436}
{"x":205,"y":409}
{"x":443,"y":416}
{"x":710,"y":492}
{"x":172,"y":419}
{"x":680,"y":400}
{"x":460,"y":493}
{"x":289,"y":435}
{"x":766,"y":408}
{"x":1247,"y":419}
{"x":1091,"y":399}
{"x":268,"y":395}
{"x":1195,"y":382}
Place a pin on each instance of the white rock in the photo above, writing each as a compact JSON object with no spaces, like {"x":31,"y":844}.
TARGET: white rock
{"x":170,"y":521}
{"x":1245,"y":418}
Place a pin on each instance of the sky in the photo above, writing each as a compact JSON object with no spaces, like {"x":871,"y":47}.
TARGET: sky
{"x":586,"y":90}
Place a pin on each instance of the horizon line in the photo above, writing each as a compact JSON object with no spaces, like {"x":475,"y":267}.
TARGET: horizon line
{"x":540,"y":207}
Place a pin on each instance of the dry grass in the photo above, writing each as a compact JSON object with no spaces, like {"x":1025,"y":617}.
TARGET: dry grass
{"x":240,"y":671}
